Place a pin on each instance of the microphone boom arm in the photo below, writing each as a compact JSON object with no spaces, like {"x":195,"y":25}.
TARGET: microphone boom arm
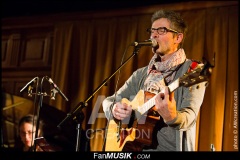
{"x":28,"y":83}
{"x":81,"y":105}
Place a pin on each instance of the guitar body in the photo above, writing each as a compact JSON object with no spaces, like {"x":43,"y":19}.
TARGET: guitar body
{"x":145,"y":135}
{"x":135,"y":135}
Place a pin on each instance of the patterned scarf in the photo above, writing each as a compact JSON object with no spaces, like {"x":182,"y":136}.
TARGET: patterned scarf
{"x":162,"y":73}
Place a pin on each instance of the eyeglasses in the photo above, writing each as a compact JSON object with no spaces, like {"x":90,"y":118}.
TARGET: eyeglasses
{"x":28,"y":133}
{"x":160,"y":30}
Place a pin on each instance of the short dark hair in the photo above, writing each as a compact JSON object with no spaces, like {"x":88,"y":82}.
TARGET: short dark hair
{"x":32,"y":120}
{"x":176,"y":21}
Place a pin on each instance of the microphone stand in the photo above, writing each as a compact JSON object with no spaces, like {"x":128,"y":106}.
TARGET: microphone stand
{"x":34,"y":80}
{"x":38,"y":111}
{"x":81,"y":105}
{"x":41,"y":94}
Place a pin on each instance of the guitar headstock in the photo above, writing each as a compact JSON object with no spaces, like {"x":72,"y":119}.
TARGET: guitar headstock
{"x":200,"y":74}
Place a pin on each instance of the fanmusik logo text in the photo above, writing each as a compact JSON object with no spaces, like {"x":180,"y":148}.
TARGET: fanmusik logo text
{"x":112,"y":155}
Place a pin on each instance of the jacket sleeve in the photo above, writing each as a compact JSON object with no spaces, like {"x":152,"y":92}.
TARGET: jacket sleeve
{"x":188,"y":101}
{"x":188,"y":106}
{"x":128,"y":90}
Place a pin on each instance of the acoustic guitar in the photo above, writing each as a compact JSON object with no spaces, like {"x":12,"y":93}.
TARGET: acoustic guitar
{"x":140,"y":132}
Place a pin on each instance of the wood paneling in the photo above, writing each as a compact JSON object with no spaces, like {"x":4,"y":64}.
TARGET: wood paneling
{"x":10,"y":50}
{"x":26,"y":53}
{"x":36,"y":49}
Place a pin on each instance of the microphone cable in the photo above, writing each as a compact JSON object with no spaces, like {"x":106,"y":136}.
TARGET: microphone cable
{"x":115,"y":93}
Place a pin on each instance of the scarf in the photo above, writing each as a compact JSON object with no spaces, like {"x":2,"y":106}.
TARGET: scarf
{"x":162,"y":73}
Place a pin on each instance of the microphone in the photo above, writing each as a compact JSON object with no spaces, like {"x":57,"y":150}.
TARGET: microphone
{"x":53,"y":93}
{"x":56,"y":87}
{"x":30,"y":88}
{"x":149,"y":42}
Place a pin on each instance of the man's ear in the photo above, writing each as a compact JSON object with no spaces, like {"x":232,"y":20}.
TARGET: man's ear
{"x":179,"y":38}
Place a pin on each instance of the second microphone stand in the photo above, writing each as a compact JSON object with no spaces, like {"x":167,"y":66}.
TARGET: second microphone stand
{"x":81,"y":105}
{"x":41,"y":94}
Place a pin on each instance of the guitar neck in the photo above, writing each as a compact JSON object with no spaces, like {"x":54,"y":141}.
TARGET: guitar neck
{"x":146,"y":106}
{"x":151,"y":102}
{"x":174,"y":85}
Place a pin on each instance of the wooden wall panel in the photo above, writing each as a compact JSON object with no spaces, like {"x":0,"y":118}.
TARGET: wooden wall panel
{"x":36,"y":50}
{"x":10,"y":50}
{"x":27,"y":48}
{"x":26,"y":53}
{"x":4,"y":50}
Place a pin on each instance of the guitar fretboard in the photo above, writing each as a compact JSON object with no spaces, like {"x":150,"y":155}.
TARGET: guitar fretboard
{"x":151,"y":102}
{"x":146,"y":106}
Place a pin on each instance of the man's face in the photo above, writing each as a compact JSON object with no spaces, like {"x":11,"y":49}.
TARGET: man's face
{"x":165,"y":36}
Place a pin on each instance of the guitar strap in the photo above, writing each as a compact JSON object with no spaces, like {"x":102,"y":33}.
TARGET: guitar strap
{"x":193,"y":65}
